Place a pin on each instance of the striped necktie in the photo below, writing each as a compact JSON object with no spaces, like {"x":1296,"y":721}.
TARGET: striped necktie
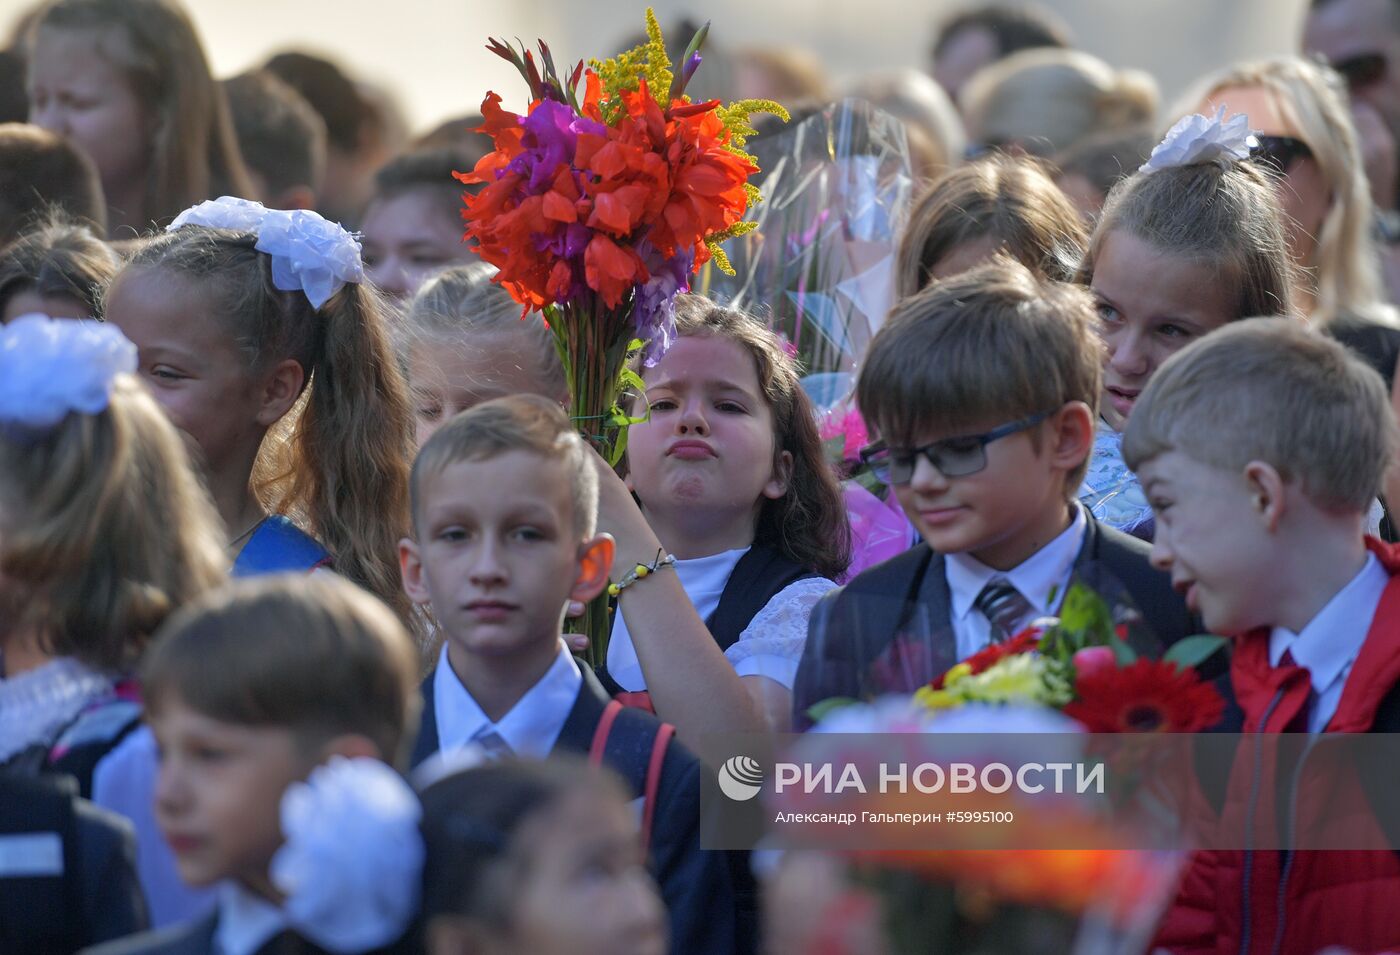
{"x":1004,"y":608}
{"x":491,"y":741}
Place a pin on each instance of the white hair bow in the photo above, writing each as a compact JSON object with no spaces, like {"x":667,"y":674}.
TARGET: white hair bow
{"x":1198,"y":139}
{"x":50,"y":367}
{"x":309,"y":253}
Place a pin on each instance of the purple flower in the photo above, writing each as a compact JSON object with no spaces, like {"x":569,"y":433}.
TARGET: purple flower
{"x":655,"y":310}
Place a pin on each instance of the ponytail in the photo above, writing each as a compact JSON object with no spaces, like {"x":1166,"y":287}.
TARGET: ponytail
{"x":352,"y":447}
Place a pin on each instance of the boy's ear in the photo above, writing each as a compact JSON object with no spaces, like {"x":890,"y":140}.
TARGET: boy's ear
{"x":778,"y":484}
{"x":279,"y":391}
{"x":411,"y":571}
{"x":1071,"y":435}
{"x":595,"y":558}
{"x":1266,"y":489}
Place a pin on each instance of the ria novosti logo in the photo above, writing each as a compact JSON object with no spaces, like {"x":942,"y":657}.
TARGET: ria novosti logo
{"x":741,"y":778}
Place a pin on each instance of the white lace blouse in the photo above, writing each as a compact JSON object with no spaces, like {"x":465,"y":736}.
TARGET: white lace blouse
{"x":771,"y":645}
{"x":36,"y":704}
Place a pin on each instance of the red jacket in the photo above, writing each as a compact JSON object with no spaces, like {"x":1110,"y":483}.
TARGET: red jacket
{"x":1276,"y":903}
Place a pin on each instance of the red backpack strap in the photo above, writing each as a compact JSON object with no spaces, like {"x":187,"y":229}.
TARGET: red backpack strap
{"x":601,"y":733}
{"x":640,"y":700}
{"x":658,"y":757}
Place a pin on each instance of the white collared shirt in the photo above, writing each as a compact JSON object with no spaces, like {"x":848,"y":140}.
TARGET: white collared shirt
{"x":532,"y":726}
{"x":1041,"y":578}
{"x":246,"y":923}
{"x":1329,"y":644}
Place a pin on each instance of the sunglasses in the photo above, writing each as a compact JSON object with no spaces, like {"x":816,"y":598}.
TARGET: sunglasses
{"x":1362,"y":70}
{"x":953,"y":457}
{"x":1278,"y":152}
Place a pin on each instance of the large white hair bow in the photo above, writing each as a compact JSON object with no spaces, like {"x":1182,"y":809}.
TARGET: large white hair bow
{"x":309,"y":253}
{"x":1198,"y":139}
{"x":353,"y":857}
{"x":50,"y":367}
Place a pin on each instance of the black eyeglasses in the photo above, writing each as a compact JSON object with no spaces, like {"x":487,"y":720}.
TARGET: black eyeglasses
{"x":954,"y":457}
{"x":1361,"y":70}
{"x":1278,"y":152}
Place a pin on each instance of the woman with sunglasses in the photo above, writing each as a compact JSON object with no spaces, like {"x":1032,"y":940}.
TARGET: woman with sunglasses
{"x":1308,"y":143}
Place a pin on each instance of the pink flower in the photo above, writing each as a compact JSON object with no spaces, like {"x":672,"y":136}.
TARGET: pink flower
{"x":1091,"y":661}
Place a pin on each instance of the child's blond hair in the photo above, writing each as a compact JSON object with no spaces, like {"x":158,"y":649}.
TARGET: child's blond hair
{"x":316,"y":655}
{"x":1275,"y":392}
{"x":993,"y":345}
{"x":514,"y":423}
{"x":463,"y":301}
{"x":105,"y":528}
{"x":1219,"y":214}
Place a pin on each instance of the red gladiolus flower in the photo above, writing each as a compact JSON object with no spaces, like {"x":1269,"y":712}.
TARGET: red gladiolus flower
{"x":1147,"y":696}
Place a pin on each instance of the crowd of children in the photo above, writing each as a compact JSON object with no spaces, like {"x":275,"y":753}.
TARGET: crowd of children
{"x":292,"y":518}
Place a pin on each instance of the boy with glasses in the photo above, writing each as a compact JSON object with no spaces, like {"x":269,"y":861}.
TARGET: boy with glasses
{"x":983,"y":390}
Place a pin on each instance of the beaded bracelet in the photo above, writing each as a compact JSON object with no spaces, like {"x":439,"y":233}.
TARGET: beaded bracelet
{"x":641,"y":570}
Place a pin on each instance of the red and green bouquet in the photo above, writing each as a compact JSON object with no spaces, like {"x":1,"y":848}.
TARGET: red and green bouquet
{"x":599,"y":203}
{"x":1081,"y":663}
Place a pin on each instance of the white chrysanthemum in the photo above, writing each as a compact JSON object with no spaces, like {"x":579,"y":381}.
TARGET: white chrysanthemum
{"x":353,"y":857}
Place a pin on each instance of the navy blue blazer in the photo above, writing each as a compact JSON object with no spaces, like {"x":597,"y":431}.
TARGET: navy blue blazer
{"x":852,"y":651}
{"x":696,"y":885}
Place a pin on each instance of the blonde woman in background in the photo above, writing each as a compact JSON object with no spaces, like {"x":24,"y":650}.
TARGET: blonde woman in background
{"x":1307,"y":140}
{"x":1045,"y":101}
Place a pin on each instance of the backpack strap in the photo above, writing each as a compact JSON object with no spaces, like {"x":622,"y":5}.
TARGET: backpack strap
{"x":658,"y":759}
{"x":759,"y":576}
{"x":602,"y":732}
{"x":651,"y":781}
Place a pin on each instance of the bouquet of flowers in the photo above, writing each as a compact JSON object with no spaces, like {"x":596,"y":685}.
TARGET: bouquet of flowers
{"x":1081,"y":664}
{"x":982,"y":889}
{"x":598,"y":204}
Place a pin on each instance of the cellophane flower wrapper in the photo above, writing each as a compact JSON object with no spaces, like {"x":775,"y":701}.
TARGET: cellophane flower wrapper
{"x":820,"y":266}
{"x":837,"y":193}
{"x":597,"y":206}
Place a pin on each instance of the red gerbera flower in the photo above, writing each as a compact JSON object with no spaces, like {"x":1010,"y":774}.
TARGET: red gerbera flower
{"x":1024,"y":642}
{"x":1147,"y":696}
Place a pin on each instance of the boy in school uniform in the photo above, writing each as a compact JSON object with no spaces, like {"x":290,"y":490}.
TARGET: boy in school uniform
{"x":1260,"y":449}
{"x":504,"y":502}
{"x":249,"y":690}
{"x":983,"y":390}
